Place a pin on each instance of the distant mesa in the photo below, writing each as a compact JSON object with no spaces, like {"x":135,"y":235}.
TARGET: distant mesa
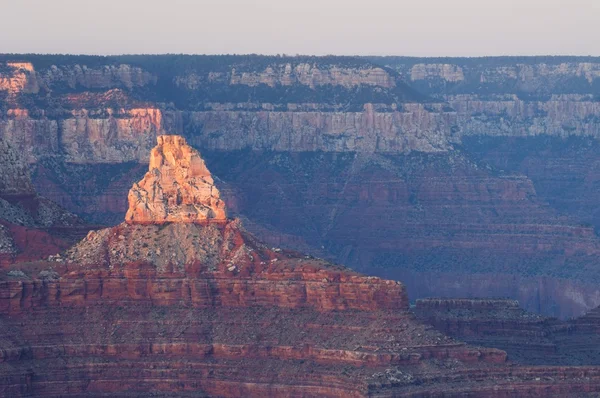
{"x":177,"y":187}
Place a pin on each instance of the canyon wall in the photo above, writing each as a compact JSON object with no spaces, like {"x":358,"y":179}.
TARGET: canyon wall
{"x":482,"y":168}
{"x":200,"y":306}
{"x":374,"y":111}
{"x":527,"y":338}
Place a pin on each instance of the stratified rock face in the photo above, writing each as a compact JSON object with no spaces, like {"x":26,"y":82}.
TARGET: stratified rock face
{"x":504,"y":71}
{"x":459,"y":225}
{"x":106,"y":76}
{"x":177,"y":188}
{"x":205,"y":309}
{"x":527,"y":338}
{"x":522,"y":223}
{"x":448,"y":72}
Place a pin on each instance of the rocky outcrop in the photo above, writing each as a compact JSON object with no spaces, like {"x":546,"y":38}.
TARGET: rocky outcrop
{"x":177,"y":188}
{"x":18,"y":77}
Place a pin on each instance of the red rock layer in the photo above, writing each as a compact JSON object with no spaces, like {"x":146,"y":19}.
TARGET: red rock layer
{"x":32,"y":244}
{"x":134,"y":331}
{"x":207,"y":309}
{"x":230,"y":321}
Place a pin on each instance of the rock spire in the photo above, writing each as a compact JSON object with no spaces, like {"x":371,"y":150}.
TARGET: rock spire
{"x":177,"y":187}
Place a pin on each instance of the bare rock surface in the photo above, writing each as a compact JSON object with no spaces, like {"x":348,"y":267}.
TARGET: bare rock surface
{"x":177,"y":188}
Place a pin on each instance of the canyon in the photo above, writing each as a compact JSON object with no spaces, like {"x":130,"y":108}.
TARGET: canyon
{"x":451,"y":175}
{"x":200,"y":307}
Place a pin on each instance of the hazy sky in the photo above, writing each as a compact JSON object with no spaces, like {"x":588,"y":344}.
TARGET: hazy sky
{"x":394,"y":27}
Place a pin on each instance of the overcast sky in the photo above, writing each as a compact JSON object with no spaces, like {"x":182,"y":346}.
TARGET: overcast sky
{"x":378,"y":27}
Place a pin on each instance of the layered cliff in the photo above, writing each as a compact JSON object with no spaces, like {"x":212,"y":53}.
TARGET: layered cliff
{"x":203,"y":308}
{"x":454,"y":157}
{"x":446,"y":225}
{"x":296,"y":104}
{"x":516,"y":75}
{"x":526,"y":337}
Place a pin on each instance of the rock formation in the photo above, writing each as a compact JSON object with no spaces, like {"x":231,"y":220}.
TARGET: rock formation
{"x":456,"y":158}
{"x":275,"y":304}
{"x":177,"y":188}
{"x":14,"y":176}
{"x":205,"y":309}
{"x":27,"y":220}
{"x":20,"y":77}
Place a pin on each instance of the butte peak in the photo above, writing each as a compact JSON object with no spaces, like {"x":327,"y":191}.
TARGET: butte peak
{"x":178,"y":187}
